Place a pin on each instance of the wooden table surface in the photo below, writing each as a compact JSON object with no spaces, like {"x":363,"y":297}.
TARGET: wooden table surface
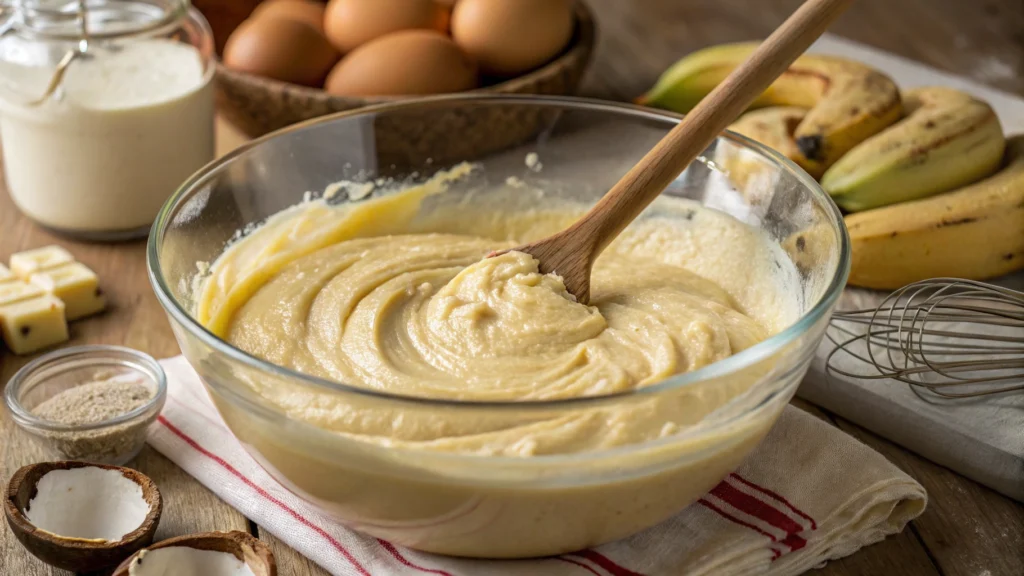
{"x":967,"y":530}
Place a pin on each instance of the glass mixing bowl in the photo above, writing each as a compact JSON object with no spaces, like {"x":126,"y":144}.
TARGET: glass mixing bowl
{"x":470,"y":504}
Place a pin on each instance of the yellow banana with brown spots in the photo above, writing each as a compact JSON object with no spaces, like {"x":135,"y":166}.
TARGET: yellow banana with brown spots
{"x":948,"y":139}
{"x":976,"y":232}
{"x":846,"y":101}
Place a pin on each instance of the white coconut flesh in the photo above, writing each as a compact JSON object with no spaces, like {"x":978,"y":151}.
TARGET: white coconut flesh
{"x":185,"y":561}
{"x":87,"y":503}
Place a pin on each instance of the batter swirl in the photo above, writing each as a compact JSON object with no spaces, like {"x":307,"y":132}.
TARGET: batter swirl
{"x":369,"y":297}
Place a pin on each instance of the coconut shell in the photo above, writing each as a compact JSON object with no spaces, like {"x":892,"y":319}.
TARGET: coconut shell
{"x":75,"y":554}
{"x":241,"y":545}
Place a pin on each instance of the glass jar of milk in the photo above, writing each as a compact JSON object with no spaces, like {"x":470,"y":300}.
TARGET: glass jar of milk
{"x":106,"y":107}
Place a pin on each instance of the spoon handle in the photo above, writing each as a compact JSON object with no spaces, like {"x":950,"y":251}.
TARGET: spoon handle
{"x":663,"y":164}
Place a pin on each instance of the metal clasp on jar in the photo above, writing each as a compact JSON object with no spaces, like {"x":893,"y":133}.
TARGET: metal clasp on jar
{"x":9,"y":19}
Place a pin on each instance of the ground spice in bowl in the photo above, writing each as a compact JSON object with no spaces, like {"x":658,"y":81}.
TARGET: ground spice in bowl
{"x":89,"y":403}
{"x":93,"y":403}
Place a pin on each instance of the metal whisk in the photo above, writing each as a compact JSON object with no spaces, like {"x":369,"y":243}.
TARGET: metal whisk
{"x":956,"y":338}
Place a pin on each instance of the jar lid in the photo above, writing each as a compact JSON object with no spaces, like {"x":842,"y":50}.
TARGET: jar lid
{"x":93,"y":19}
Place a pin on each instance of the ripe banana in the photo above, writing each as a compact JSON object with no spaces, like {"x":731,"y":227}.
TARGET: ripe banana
{"x":947,"y":140}
{"x":976,"y":232}
{"x":772,"y":127}
{"x":847,"y":101}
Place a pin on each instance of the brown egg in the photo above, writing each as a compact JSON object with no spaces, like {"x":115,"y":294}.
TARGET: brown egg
{"x":282,"y":49}
{"x":508,"y":37}
{"x":308,"y":11}
{"x":402,"y":63}
{"x":352,"y":23}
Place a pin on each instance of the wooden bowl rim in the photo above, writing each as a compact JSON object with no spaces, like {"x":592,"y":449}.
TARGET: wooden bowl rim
{"x":210,"y":541}
{"x":579,"y":49}
{"x":16,"y":516}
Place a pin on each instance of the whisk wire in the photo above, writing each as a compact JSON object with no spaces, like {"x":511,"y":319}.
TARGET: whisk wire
{"x":956,"y":338}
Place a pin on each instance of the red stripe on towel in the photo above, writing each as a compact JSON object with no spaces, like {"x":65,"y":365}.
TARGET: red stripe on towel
{"x":195,"y":445}
{"x":769,"y":493}
{"x":794,"y":542}
{"x":775,"y":551}
{"x":580,"y":564}
{"x":405,"y":561}
{"x":606,"y":563}
{"x":728,"y":516}
{"x":761,"y":510}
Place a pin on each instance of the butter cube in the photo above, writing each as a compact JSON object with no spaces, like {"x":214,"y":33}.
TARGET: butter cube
{"x":25,"y":264}
{"x":16,"y":291}
{"x":5,"y":274}
{"x":33,"y":324}
{"x":76,"y":285}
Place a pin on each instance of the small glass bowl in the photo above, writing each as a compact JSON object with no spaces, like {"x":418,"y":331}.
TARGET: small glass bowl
{"x":114,"y":441}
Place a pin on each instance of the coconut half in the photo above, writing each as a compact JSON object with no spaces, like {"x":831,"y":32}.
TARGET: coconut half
{"x":79,"y":516}
{"x":208,"y":554}
{"x":87,"y":503}
{"x":186,"y":561}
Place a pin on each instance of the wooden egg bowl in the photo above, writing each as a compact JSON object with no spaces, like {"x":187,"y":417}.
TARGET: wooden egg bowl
{"x":258,"y":105}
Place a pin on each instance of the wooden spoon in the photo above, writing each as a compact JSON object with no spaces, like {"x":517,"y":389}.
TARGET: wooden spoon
{"x":571,"y":252}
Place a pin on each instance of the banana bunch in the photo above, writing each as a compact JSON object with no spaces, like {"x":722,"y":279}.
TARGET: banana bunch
{"x":975,"y":232}
{"x":845,"y":101}
{"x":947,"y":140}
{"x":934,"y":186}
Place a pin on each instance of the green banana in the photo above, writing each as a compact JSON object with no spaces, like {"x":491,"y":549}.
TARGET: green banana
{"x":974,"y":232}
{"x":947,"y":140}
{"x":847,"y":101}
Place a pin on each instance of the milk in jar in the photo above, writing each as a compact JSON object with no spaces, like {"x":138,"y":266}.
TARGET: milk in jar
{"x":128,"y":122}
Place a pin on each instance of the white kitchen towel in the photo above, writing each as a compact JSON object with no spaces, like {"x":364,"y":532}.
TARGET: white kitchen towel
{"x":808,"y":494}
